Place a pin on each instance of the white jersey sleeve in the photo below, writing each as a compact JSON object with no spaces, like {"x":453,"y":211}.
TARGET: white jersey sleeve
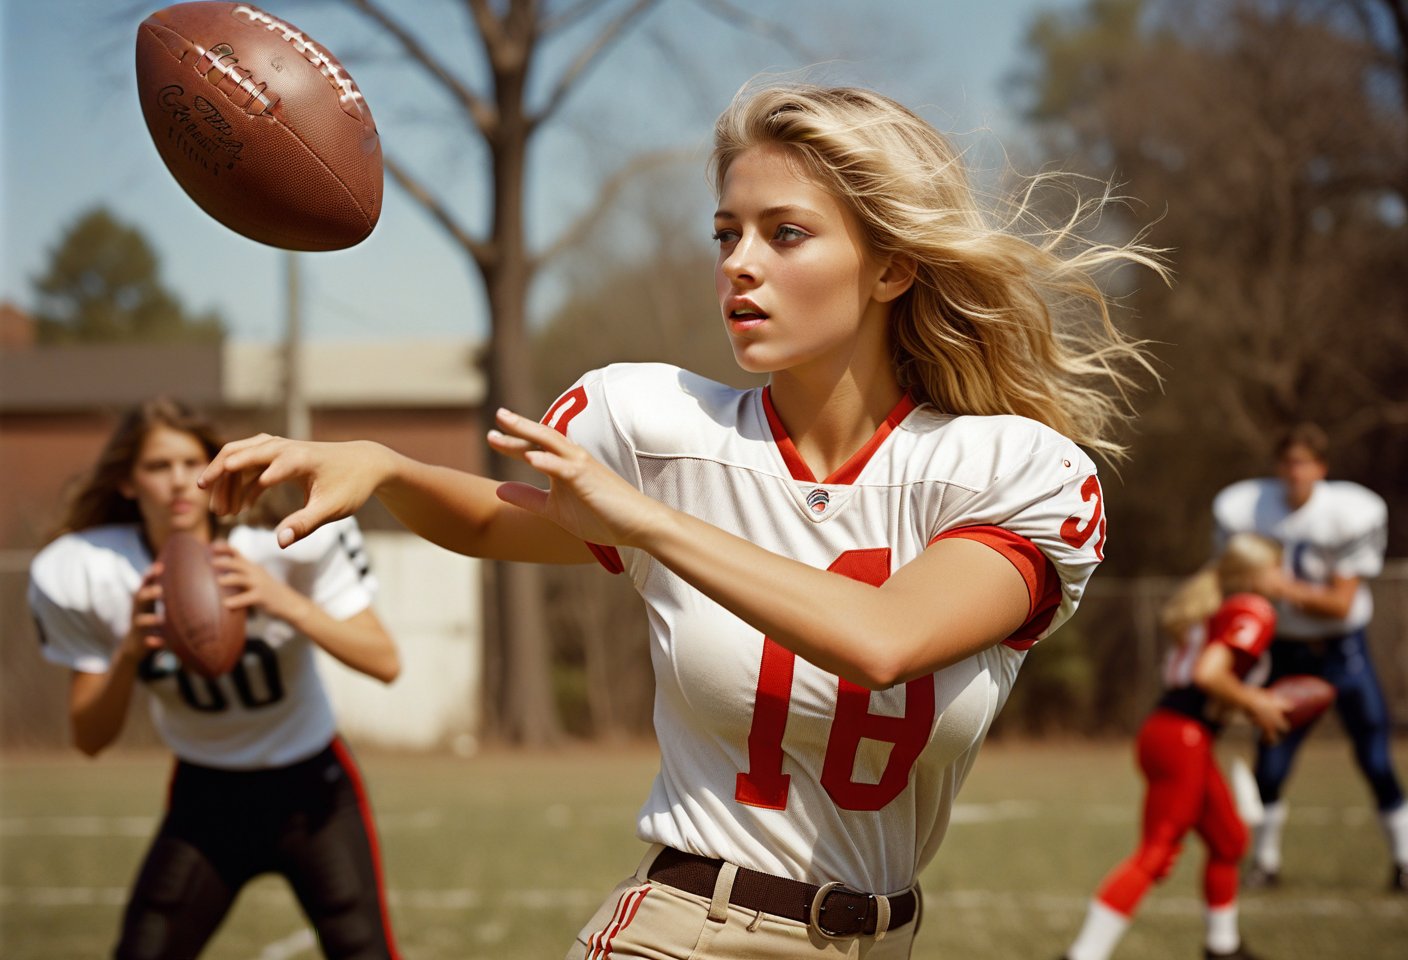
{"x":1362,"y":515}
{"x":331,"y":567}
{"x":1042,"y":508}
{"x":80,"y":593}
{"x":583,"y":414}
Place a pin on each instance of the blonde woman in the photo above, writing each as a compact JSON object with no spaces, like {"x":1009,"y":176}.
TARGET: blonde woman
{"x":1219,"y":642}
{"x":844,"y":569}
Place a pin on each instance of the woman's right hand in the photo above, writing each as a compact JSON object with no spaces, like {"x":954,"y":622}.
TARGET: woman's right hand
{"x":336,"y":478}
{"x":1267,"y":711}
{"x":144,"y":633}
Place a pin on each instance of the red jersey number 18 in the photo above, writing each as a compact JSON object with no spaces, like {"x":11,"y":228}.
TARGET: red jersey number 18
{"x":765,"y":785}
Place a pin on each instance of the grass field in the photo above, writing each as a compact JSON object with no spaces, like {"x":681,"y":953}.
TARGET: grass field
{"x":504,"y":856}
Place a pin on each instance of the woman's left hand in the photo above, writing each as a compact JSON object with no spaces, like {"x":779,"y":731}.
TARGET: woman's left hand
{"x":254,"y":586}
{"x":584,"y":497}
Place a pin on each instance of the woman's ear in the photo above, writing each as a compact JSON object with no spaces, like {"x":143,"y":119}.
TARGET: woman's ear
{"x":128,"y":491}
{"x":896,"y":278}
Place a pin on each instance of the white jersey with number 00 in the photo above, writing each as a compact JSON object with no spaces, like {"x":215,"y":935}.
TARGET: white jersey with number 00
{"x":271,"y":709}
{"x":1341,"y":531}
{"x":766,"y":760}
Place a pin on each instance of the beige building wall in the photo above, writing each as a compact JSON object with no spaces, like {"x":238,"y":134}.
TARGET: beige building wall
{"x":58,"y":405}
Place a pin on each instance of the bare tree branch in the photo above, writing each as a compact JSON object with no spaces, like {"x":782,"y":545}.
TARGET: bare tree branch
{"x":482,"y":113}
{"x":481,"y":252}
{"x":490,"y":29}
{"x":751,"y":23}
{"x":570,"y":15}
{"x":589,"y":56}
{"x":605,"y":197}
{"x":1366,"y":420}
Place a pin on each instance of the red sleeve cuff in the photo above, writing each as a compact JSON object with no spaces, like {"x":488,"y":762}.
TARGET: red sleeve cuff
{"x":608,"y":557}
{"x":1043,"y":584}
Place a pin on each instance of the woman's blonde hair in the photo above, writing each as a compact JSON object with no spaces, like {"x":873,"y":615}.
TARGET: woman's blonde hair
{"x":1244,"y":557}
{"x":995,"y":322}
{"x":1195,"y":599}
{"x":1234,"y":570}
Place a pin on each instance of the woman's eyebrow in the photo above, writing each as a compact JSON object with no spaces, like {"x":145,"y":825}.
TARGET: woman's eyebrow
{"x":766,"y":213}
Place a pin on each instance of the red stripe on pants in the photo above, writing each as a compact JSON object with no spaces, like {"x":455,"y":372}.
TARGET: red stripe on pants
{"x":349,"y":765}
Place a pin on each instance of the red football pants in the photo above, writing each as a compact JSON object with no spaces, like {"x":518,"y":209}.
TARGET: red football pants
{"x":1186,"y":792}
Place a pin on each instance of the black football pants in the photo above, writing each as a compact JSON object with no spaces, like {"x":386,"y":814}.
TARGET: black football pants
{"x":309,"y":822}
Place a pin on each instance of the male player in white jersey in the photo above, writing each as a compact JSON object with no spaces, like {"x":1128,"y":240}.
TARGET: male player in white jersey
{"x":1333,"y":535}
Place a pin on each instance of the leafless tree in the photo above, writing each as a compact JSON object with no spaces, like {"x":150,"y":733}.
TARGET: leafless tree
{"x":1263,"y":138}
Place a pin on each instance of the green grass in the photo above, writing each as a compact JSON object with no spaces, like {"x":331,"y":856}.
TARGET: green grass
{"x":505,"y":855}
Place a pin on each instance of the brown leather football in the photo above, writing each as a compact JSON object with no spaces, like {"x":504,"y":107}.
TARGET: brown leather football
{"x":1309,"y":696}
{"x":260,"y":125}
{"x":207,"y":637}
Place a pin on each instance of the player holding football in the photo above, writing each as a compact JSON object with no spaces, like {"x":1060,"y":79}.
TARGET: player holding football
{"x":844,"y":570}
{"x":1219,"y":643}
{"x":1333,"y":534}
{"x":261,"y":782}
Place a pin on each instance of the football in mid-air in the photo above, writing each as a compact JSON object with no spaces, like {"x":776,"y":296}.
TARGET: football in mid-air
{"x":1308,"y":695}
{"x":260,"y":125}
{"x":207,"y":637}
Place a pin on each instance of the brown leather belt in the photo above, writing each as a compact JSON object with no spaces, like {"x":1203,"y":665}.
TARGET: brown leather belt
{"x":836,"y":911}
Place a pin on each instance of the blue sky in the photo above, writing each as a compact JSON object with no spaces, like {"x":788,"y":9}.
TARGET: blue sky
{"x":72,"y":138}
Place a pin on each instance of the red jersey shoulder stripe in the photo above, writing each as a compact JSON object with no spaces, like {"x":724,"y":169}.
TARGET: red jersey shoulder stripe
{"x":1036,"y":568}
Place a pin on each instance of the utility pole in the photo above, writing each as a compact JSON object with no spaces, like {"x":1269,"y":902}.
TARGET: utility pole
{"x":297,"y":419}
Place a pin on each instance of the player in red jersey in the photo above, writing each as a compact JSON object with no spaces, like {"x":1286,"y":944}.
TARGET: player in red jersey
{"x":844,"y":570}
{"x":1207,"y":679}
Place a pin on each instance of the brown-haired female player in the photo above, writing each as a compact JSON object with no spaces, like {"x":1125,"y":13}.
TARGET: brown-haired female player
{"x":261,"y":783}
{"x":844,"y":570}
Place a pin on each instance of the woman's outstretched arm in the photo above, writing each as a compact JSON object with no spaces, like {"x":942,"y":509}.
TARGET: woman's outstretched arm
{"x":955,"y":599}
{"x":453,"y":509}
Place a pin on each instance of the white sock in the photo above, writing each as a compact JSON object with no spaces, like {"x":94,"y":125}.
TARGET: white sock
{"x":1223,"y":936}
{"x":1266,"y":846}
{"x":1098,"y":936}
{"x":1245,"y":794}
{"x":1395,"y":823}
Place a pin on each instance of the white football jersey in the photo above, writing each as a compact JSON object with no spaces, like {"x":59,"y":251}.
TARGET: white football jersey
{"x":1341,"y":531}
{"x":271,"y":709}
{"x":767,"y":760}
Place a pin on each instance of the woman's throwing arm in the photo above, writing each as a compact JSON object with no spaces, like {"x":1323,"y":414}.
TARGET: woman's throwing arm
{"x":455,"y":510}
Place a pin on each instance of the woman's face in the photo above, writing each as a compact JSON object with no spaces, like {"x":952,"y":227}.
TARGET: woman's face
{"x":796,"y":283}
{"x":163,"y":482}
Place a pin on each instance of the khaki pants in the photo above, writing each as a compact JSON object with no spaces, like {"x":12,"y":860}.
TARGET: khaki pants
{"x":650,"y":921}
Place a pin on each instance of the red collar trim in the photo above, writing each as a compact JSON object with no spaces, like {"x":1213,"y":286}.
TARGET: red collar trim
{"x":848,"y":471}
